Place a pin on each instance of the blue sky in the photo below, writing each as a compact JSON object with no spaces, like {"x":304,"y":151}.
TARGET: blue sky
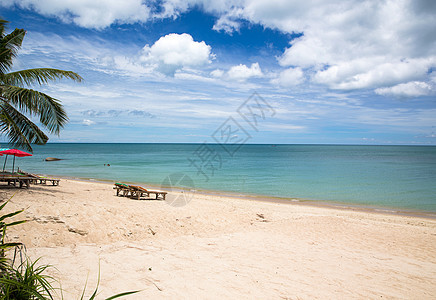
{"x":345,"y":72}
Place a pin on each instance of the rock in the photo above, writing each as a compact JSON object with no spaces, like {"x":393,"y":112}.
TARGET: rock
{"x":52,"y":159}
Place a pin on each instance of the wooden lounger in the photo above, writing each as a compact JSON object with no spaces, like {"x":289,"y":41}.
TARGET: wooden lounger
{"x":14,"y":179}
{"x":138,"y":191}
{"x":122,"y":189}
{"x":41,"y":179}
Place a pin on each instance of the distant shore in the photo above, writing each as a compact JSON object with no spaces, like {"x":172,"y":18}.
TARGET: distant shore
{"x":222,"y":247}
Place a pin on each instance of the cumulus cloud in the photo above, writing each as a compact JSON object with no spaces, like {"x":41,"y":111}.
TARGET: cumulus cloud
{"x":90,"y":14}
{"x":409,"y":89}
{"x":344,"y":45}
{"x":239,"y":73}
{"x":176,"y":51}
{"x":167,"y":55}
{"x":242,"y":72}
{"x":372,"y":73}
{"x":290,"y":77}
{"x":360,"y":45}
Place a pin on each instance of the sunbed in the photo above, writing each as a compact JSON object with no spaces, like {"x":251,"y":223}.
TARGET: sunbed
{"x":41,"y":179}
{"x":135,"y":191}
{"x":138,"y":191}
{"x":122,"y":189}
{"x":14,"y":178}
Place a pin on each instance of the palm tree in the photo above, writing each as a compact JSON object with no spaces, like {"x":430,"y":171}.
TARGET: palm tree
{"x":17,"y":99}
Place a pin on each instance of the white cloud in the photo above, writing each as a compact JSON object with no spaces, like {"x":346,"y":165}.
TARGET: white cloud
{"x":228,"y":22}
{"x":360,"y":44}
{"x":87,"y":122}
{"x":242,"y":72}
{"x":217,"y":73}
{"x":90,"y":14}
{"x":345,"y":45}
{"x":176,"y":51}
{"x":409,"y":89}
{"x":167,"y":55}
{"x":348,"y":44}
{"x":372,"y":73}
{"x":290,"y":77}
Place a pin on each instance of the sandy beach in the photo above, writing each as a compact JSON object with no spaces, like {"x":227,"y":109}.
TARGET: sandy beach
{"x":222,"y":247}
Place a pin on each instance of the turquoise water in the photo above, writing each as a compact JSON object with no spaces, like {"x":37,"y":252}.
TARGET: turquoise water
{"x":387,"y":176}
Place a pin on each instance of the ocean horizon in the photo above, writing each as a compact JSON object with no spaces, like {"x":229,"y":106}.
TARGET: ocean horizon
{"x":392,"y":177}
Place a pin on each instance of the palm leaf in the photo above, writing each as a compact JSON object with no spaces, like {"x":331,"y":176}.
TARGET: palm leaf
{"x":39,"y":76}
{"x":9,"y":45}
{"x":50,"y":111}
{"x":20,"y":130}
{"x":3,"y":27}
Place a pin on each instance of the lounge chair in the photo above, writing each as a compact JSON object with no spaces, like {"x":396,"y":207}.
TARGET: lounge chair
{"x":16,"y":178}
{"x":122,"y":189}
{"x":41,"y":179}
{"x":138,"y":191}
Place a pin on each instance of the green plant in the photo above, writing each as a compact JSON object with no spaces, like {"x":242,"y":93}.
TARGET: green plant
{"x":25,"y":282}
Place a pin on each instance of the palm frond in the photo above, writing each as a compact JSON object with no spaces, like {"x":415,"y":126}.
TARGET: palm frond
{"x":9,"y":45}
{"x":39,"y":76}
{"x":3,"y":25}
{"x":50,"y":111}
{"x":19,"y":129}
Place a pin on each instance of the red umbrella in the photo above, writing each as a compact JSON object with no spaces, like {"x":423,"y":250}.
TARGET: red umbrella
{"x":14,"y":152}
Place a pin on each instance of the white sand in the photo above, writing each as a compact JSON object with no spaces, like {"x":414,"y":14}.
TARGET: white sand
{"x":219,"y":247}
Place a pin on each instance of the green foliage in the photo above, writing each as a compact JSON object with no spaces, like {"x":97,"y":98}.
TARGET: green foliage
{"x":26,"y":282}
{"x":17,"y":99}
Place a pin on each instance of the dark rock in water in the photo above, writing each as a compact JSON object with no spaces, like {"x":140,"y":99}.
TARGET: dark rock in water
{"x":52,"y":159}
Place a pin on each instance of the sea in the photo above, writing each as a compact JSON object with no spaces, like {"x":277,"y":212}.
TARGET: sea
{"x":385,"y":177}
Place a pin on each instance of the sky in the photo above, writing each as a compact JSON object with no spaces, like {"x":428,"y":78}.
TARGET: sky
{"x":275,"y":71}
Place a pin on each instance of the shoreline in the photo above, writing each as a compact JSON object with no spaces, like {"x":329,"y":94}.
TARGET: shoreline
{"x":282,"y":200}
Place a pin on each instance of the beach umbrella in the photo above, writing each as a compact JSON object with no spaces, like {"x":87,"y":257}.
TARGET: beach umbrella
{"x":14,"y":152}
